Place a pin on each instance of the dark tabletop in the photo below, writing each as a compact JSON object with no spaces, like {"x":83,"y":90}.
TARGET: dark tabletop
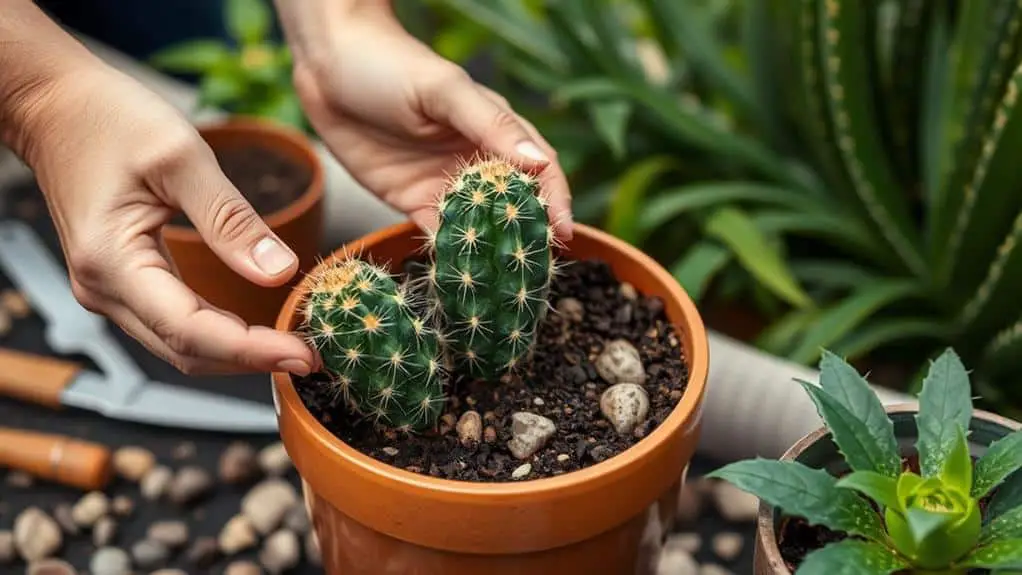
{"x":208,"y":516}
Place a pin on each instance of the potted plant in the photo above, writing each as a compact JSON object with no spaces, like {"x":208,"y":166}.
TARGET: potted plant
{"x":458,"y":426}
{"x":263,"y":148}
{"x":928,"y":487}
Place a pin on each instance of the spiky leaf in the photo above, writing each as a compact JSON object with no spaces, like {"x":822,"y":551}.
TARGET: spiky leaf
{"x":1001,"y":554}
{"x":852,"y":557}
{"x":1001,"y":459}
{"x":944,"y":401}
{"x":1007,"y":525}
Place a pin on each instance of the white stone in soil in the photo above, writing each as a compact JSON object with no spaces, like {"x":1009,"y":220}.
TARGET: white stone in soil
{"x":7,"y":551}
{"x":521,"y":471}
{"x":236,"y":535}
{"x":88,"y":510}
{"x":714,"y":569}
{"x":690,"y":542}
{"x":529,"y":433}
{"x":50,"y":567}
{"x":155,"y":483}
{"x":243,"y":567}
{"x":281,"y":551}
{"x":674,"y":560}
{"x":110,"y":561}
{"x":274,"y":460}
{"x":727,"y":545}
{"x":266,"y":504}
{"x":469,"y":428}
{"x":735,"y":504}
{"x":625,"y":405}
{"x":619,"y":362}
{"x":628,"y":291}
{"x":36,"y":535}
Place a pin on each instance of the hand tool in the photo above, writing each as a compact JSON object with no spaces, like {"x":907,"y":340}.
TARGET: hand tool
{"x":57,"y":458}
{"x":120,"y":389}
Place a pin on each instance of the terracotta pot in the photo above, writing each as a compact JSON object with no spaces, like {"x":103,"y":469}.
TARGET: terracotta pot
{"x":818,"y":451}
{"x":299,"y":225}
{"x":373,"y":518}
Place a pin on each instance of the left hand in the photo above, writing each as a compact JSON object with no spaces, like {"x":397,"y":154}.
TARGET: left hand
{"x":400,"y":118}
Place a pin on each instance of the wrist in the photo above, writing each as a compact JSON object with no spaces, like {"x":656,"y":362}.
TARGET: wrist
{"x":314,"y":29}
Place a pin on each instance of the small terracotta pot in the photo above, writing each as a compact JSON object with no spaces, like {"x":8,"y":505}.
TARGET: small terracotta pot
{"x":817,"y":450}
{"x":299,"y":225}
{"x":374,"y":518}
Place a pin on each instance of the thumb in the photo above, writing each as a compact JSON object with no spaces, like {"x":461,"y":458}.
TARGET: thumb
{"x":230,"y":225}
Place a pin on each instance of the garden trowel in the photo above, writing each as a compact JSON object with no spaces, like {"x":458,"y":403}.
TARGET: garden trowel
{"x":120,"y":389}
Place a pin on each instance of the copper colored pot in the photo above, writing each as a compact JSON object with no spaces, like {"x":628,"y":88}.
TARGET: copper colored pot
{"x":818,"y":451}
{"x":375,"y":519}
{"x":299,"y":225}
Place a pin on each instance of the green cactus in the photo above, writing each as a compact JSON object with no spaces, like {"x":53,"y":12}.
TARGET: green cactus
{"x":492,"y":265}
{"x":384,"y":359}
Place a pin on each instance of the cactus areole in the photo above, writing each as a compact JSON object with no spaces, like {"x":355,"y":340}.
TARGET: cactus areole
{"x":492,"y":267}
{"x":384,"y":360}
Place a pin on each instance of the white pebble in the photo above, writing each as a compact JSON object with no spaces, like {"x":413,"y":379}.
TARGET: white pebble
{"x":266,"y":504}
{"x":625,"y":405}
{"x":619,"y":362}
{"x":521,"y":471}
{"x":280,"y":551}
{"x":274,"y":460}
{"x":36,"y":535}
{"x":529,"y":433}
{"x":728,"y":545}
{"x":87,"y":511}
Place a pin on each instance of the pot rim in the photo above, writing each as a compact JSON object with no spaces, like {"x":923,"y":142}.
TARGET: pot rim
{"x":262,"y":130}
{"x":765,"y":536}
{"x":688,"y":410}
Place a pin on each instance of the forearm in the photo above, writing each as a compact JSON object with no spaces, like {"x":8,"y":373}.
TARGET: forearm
{"x":34,"y":54}
{"x":310,"y":26}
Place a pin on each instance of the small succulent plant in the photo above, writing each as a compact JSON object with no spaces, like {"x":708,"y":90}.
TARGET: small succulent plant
{"x":899,"y":520}
{"x":384,"y":359}
{"x":492,"y":265}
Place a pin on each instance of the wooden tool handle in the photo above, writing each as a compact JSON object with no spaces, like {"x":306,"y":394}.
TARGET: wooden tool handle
{"x":35,"y":378}
{"x":56,"y":458}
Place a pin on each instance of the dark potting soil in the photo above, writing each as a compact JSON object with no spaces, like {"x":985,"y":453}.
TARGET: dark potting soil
{"x":268,"y":180}
{"x":797,"y":538}
{"x":560,"y":383}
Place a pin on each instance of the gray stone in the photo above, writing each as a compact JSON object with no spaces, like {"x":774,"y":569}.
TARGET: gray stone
{"x":110,"y":561}
{"x":619,"y":362}
{"x":625,"y":405}
{"x":529,"y":433}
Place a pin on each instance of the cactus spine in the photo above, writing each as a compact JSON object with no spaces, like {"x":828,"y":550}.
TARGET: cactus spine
{"x":492,"y":266}
{"x":384,"y":360}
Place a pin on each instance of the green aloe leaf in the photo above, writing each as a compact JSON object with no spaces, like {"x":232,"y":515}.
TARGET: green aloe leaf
{"x":804,"y":492}
{"x":880,"y":333}
{"x":983,"y":312}
{"x":1007,"y":525}
{"x":848,"y":314}
{"x":850,"y":80}
{"x":1001,"y":459}
{"x":852,"y":557}
{"x":610,"y":118}
{"x":934,"y":102}
{"x":1003,"y":354}
{"x":944,"y":401}
{"x":832,"y":227}
{"x":192,"y":57}
{"x":781,"y":335}
{"x":864,"y":448}
{"x":697,"y":268}
{"x":738,"y":232}
{"x":527,"y":37}
{"x":248,"y":21}
{"x":629,"y":194}
{"x":1001,"y":554}
{"x":882,"y":489}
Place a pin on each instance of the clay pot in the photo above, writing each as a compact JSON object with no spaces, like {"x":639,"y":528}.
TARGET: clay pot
{"x":373,"y":518}
{"x":299,"y":225}
{"x":818,"y":451}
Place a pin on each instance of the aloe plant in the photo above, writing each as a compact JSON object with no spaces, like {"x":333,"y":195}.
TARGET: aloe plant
{"x":897,"y":519}
{"x":849,"y":163}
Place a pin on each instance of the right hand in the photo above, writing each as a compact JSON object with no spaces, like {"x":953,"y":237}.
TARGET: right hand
{"x":115,"y":163}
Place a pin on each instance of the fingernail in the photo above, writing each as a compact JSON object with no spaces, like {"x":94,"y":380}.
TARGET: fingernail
{"x":271,"y":257}
{"x":295,"y":366}
{"x":531,"y":151}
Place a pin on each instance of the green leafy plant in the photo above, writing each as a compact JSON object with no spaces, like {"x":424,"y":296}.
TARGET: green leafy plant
{"x":896,"y":518}
{"x":250,"y":75}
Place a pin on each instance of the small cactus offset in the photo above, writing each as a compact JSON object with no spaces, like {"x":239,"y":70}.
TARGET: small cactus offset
{"x":385,"y":362}
{"x":492,"y":266}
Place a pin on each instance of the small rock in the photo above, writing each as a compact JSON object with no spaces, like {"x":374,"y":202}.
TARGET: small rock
{"x":619,"y":362}
{"x":90,"y":508}
{"x":562,"y":457}
{"x":63,"y":516}
{"x":690,"y":504}
{"x":184,"y":450}
{"x":148,"y":553}
{"x":521,"y":471}
{"x":103,"y":531}
{"x":625,"y":405}
{"x":312,"y":551}
{"x":538,"y":401}
{"x":571,"y":309}
{"x":735,"y":504}
{"x":50,"y":567}
{"x":36,"y":535}
{"x":274,"y":460}
{"x":628,"y":292}
{"x":266,"y":504}
{"x":7,"y":551}
{"x":203,"y":553}
{"x":447,"y":423}
{"x":727,"y":545}
{"x":297,"y":519}
{"x":713,"y":569}
{"x":674,"y":560}
{"x":236,"y":535}
{"x":156,"y":482}
{"x":470,"y":428}
{"x":122,"y":505}
{"x":16,"y":303}
{"x":173,"y":534}
{"x":490,"y":434}
{"x":20,"y":479}
{"x":238,"y":463}
{"x":391,"y":451}
{"x":190,"y":483}
{"x":110,"y":561}
{"x":243,"y":568}
{"x":280,"y":551}
{"x":690,"y":542}
{"x":529,"y":433}
{"x":133,"y":462}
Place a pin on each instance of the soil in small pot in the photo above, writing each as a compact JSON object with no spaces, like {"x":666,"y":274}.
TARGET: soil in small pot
{"x":797,"y":538}
{"x":560,"y":383}
{"x":268,"y":180}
